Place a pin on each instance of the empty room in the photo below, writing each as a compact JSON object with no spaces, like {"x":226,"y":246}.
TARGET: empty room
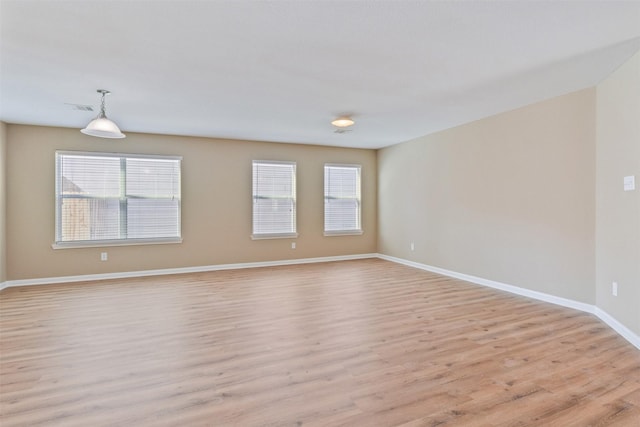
{"x":319,"y":213}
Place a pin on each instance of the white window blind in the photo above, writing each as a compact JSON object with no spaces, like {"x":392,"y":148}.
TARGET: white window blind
{"x":274,"y":199}
{"x":106,"y":198}
{"x":342,"y":199}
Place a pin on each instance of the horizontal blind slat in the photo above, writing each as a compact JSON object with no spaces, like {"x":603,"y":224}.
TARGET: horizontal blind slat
{"x":341,"y":198}
{"x":107,"y":197}
{"x":274,"y":206}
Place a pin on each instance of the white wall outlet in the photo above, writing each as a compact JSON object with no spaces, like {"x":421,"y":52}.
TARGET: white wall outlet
{"x":614,"y":289}
{"x":629,"y":183}
{"x":293,"y":245}
{"x":104,"y":256}
{"x":413,"y":247}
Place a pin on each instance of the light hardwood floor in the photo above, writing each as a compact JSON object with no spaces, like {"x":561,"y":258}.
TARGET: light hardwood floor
{"x":354,"y":343}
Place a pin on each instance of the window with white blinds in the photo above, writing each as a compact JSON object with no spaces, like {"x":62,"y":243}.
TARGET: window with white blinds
{"x":106,"y":198}
{"x":342,"y":199}
{"x":274,"y":199}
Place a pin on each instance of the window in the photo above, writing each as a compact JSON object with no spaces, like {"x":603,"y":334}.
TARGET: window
{"x":342,"y":199}
{"x":274,"y":199}
{"x":107,"y":199}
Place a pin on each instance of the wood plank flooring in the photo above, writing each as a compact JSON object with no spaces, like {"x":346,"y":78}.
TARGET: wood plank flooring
{"x":353,"y":343}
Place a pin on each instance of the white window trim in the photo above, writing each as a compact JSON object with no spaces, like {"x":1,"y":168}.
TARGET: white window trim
{"x":267,"y":236}
{"x":105,"y":243}
{"x":359,"y":232}
{"x":343,"y":233}
{"x":115,"y":242}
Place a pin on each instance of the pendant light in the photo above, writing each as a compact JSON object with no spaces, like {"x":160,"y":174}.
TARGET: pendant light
{"x":101,"y":126}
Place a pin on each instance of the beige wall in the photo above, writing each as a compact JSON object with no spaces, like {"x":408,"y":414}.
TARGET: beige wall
{"x":216,"y":206}
{"x":617,"y":211}
{"x":3,"y":202}
{"x":509,"y":198}
{"x":531,"y":197}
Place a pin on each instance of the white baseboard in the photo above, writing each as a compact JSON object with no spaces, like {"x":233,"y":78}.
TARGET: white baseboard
{"x":604,"y":316}
{"x":621,"y":329}
{"x":497,"y":285}
{"x":181,"y":270}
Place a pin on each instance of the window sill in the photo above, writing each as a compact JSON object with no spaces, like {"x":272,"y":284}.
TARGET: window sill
{"x":343,"y":233}
{"x":107,"y":243}
{"x":274,"y":236}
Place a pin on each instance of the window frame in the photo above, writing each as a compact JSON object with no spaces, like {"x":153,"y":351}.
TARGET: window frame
{"x":293,"y":198}
{"x":60,"y":244}
{"x":358,"y":199}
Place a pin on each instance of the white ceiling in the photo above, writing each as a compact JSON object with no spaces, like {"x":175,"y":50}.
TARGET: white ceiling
{"x":281,"y":70}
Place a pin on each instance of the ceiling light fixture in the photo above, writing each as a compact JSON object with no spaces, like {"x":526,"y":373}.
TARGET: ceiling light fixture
{"x":101,"y":126}
{"x":342,"y":122}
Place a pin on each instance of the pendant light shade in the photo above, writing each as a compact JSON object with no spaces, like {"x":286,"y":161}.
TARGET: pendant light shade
{"x":101,"y":126}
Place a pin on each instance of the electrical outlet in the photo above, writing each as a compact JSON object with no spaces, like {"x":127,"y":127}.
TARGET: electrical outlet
{"x":413,"y":247}
{"x":104,"y":256}
{"x":614,"y":289}
{"x":293,"y":245}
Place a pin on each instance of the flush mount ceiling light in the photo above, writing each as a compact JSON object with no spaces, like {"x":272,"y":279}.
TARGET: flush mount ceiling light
{"x":101,"y":126}
{"x":342,"y":122}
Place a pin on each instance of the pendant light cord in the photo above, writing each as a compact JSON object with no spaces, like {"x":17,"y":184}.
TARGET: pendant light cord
{"x":103,"y":114}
